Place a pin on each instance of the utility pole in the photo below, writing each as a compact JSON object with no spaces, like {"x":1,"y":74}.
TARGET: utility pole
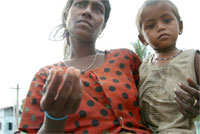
{"x":17,"y":106}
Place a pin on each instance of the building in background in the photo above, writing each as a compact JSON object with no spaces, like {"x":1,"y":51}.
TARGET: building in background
{"x":8,"y":120}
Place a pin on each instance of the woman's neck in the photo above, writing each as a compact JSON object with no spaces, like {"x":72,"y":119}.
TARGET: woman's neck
{"x":80,"y":48}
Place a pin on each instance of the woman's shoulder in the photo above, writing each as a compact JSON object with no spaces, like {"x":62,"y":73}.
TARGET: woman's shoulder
{"x":123,"y":51}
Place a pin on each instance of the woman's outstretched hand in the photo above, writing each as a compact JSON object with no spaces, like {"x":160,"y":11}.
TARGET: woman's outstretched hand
{"x":188,"y":101}
{"x":62,"y":92}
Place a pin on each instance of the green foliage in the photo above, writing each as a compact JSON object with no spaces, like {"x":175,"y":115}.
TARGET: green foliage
{"x":141,"y":50}
{"x":22,"y":105}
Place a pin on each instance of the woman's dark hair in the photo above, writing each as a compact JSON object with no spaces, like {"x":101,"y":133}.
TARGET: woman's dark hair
{"x":60,"y":32}
{"x":148,"y":3}
{"x":70,"y":2}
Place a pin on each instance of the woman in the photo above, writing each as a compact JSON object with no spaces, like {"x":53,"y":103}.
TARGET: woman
{"x":106,"y":101}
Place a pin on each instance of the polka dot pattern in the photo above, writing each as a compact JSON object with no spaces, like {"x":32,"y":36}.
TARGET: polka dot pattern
{"x":103,"y":78}
{"x":103,"y":112}
{"x":90,"y":103}
{"x":107,"y":95}
{"x":120,"y":107}
{"x":98,"y":89}
{"x":25,"y":126}
{"x":118,"y":73}
{"x":131,"y":114}
{"x":107,"y":70}
{"x":121,"y":65}
{"x":33,"y":117}
{"x":82,"y":114}
{"x":86,"y":84}
{"x":111,"y":61}
{"x":135,"y":103}
{"x":116,"y":54}
{"x":112,"y":88}
{"x":34,"y":101}
{"x":126,"y":57}
{"x":77,"y":124}
{"x":128,"y":86}
{"x":29,"y":93}
{"x":125,"y":95}
{"x":95,"y":123}
{"x":115,"y":80}
{"x":116,"y":122}
{"x":85,"y":132}
{"x":129,"y":124}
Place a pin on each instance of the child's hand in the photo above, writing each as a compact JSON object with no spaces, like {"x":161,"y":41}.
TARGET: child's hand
{"x":188,"y":103}
{"x":63,"y":94}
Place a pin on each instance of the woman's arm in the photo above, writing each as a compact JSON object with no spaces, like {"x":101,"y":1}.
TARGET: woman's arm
{"x":62,"y":97}
{"x":50,"y":126}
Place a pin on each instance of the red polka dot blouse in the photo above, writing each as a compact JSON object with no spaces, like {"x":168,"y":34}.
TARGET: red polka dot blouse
{"x":109,"y":103}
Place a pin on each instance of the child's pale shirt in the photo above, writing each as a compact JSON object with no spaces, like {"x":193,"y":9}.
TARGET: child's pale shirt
{"x":159,"y":109}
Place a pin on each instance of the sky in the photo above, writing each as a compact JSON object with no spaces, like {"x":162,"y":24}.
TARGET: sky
{"x":25,"y":48}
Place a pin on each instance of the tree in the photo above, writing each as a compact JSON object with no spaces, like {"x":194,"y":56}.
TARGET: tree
{"x":141,"y":50}
{"x":22,"y":105}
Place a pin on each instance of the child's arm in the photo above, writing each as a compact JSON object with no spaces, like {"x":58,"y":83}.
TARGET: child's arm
{"x":189,"y":104}
{"x":197,"y":66}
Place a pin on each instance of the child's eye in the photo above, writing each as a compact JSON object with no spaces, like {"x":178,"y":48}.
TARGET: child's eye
{"x":151,"y":26}
{"x":166,"y":21}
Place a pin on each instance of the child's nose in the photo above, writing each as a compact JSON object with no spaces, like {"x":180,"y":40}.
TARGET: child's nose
{"x":161,"y":26}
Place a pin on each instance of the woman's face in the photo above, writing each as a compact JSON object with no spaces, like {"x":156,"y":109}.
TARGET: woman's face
{"x":86,"y":19}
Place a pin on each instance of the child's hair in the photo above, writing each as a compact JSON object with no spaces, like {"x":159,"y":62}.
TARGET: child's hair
{"x":154,"y":2}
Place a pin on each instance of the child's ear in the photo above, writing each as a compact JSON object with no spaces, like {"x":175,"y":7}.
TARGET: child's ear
{"x":141,"y":38}
{"x":180,"y":27}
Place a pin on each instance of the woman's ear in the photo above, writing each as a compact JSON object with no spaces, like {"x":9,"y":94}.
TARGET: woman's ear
{"x":104,"y":25}
{"x":141,"y":38}
{"x":180,"y":27}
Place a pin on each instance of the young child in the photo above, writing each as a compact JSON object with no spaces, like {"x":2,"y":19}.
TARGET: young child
{"x":159,"y":25}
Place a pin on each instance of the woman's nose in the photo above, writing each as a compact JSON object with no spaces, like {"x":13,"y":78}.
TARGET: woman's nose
{"x":87,"y":12}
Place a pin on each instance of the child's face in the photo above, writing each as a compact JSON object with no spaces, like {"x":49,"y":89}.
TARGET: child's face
{"x":160,"y":27}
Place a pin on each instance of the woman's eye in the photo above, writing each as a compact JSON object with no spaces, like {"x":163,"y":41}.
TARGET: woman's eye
{"x":98,"y":10}
{"x":80,"y":4}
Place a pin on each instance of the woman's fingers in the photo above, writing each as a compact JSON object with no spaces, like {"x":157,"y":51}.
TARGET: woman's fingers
{"x":76,"y":95}
{"x":69,"y":90}
{"x":66,"y":88}
{"x":51,"y":89}
{"x":63,"y":92}
{"x":47,"y":82}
